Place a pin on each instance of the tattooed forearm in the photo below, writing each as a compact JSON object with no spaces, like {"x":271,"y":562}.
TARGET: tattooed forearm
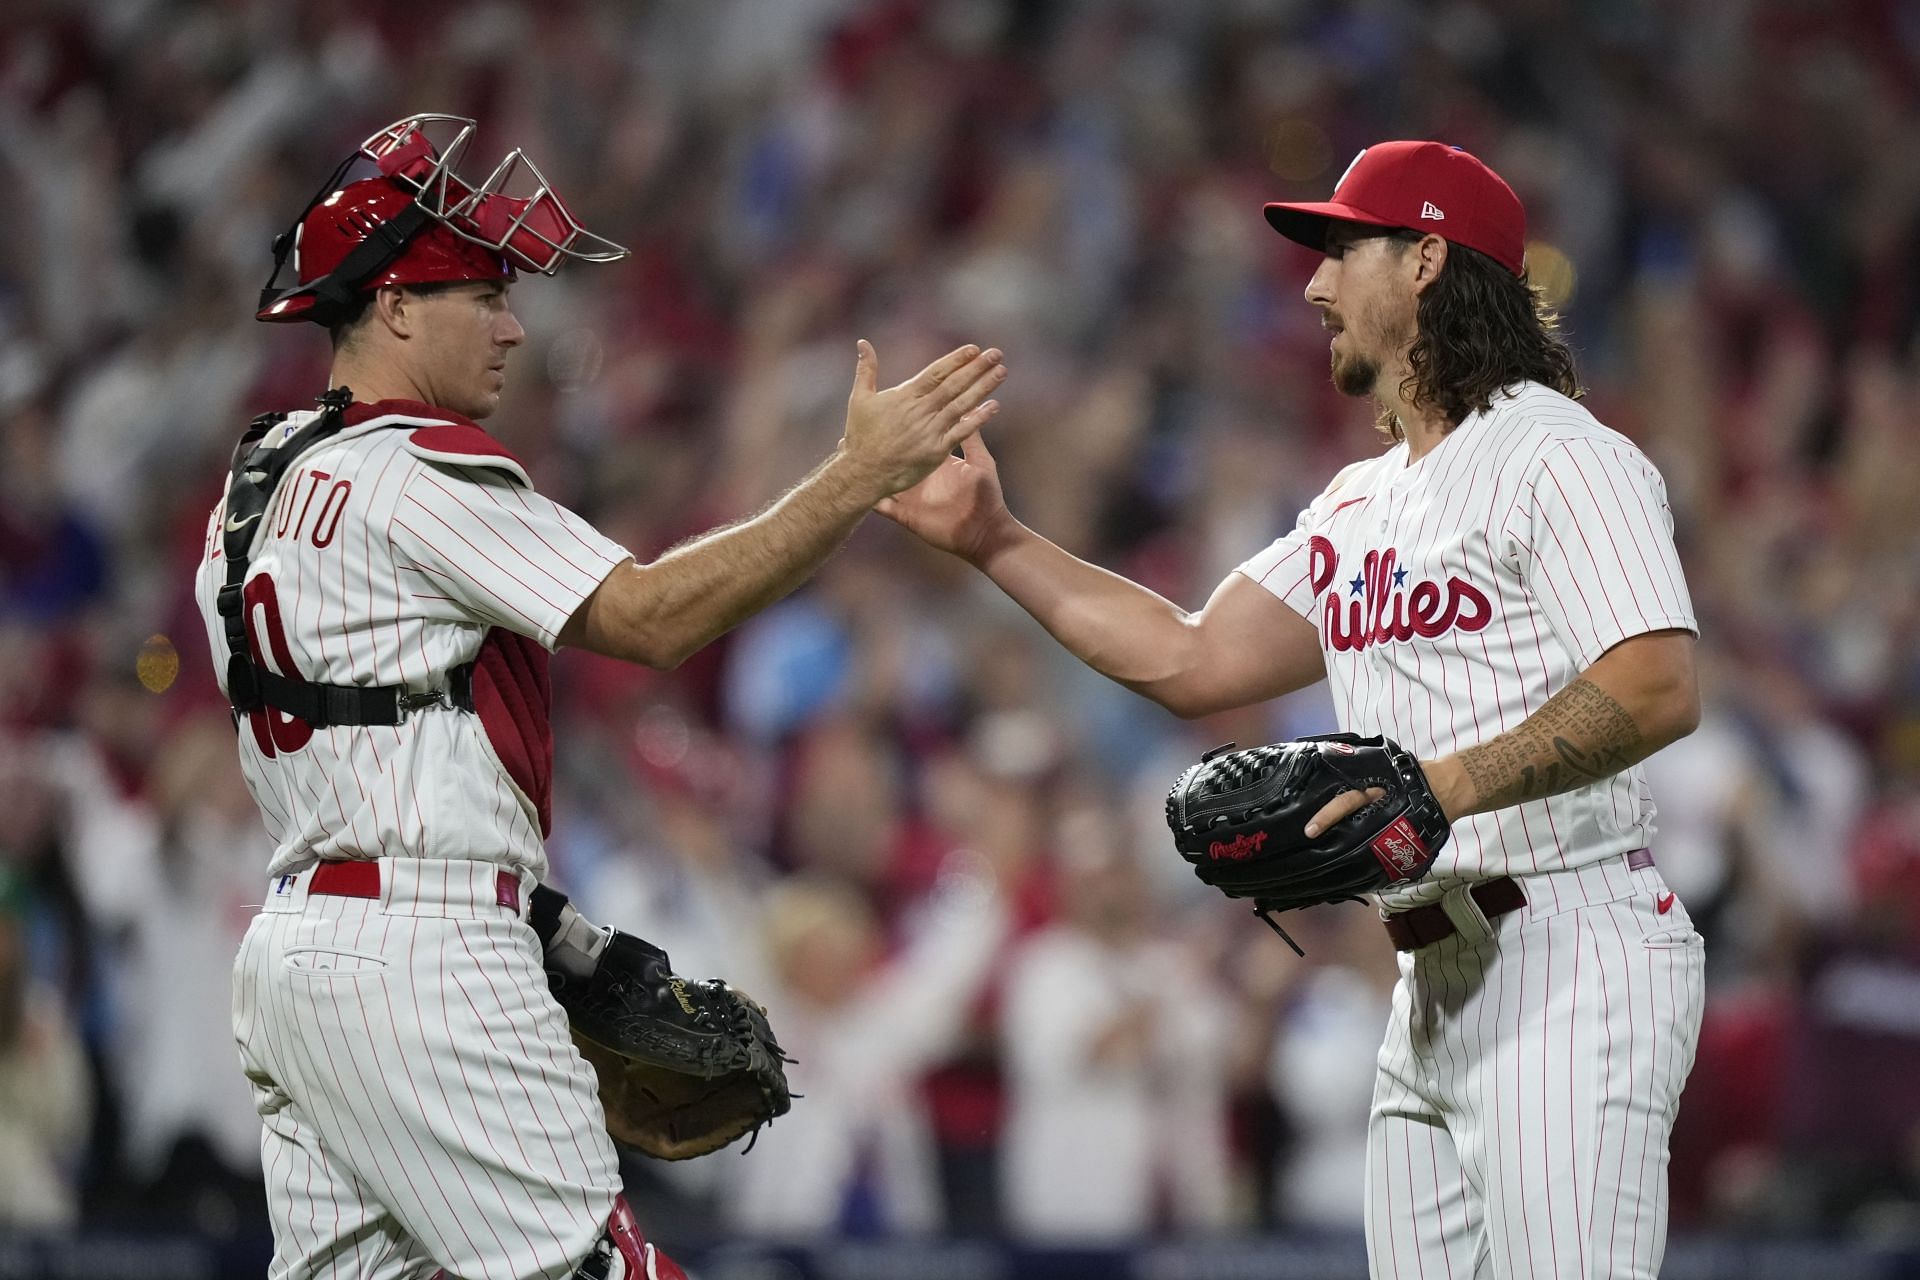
{"x":1579,"y":736}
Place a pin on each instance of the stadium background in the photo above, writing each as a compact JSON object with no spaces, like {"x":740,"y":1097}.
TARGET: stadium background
{"x":1725,"y":203}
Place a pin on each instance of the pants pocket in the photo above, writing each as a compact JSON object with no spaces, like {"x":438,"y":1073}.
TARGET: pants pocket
{"x":326,"y":961}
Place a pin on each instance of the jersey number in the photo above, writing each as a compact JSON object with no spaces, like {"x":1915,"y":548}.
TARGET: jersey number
{"x":276,"y":732}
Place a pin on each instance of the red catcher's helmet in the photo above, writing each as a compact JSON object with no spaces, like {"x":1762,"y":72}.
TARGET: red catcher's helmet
{"x":396,"y":212}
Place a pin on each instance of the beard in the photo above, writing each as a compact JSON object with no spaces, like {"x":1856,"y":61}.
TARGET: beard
{"x":1355,"y":375}
{"x":1358,"y":373}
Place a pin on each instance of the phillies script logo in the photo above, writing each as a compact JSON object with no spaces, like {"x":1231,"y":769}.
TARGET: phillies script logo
{"x":1378,"y":604}
{"x":1241,"y":846}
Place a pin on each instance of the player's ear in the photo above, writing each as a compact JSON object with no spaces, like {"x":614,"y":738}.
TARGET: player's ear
{"x":395,"y":309}
{"x":1429,"y":256}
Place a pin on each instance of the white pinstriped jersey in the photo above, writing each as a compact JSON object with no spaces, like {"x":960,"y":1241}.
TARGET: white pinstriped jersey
{"x":1455,"y":595}
{"x":388,"y":554}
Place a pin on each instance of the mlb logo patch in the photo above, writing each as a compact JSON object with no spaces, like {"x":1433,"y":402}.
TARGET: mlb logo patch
{"x":283,"y":886}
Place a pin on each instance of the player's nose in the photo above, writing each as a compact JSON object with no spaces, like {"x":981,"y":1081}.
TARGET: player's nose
{"x":1320,"y":288}
{"x":508,"y":332}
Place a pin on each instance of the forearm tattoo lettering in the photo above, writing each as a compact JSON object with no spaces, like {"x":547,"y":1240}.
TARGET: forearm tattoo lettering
{"x":1580,"y":735}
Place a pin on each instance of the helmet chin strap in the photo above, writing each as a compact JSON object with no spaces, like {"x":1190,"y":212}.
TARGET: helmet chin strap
{"x":336,"y":291}
{"x":334,"y":294}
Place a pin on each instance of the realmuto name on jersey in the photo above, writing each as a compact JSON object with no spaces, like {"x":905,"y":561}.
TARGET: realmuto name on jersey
{"x":1383,"y":603}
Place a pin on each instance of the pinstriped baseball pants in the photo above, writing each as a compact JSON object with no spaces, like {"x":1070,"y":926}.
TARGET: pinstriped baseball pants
{"x":423,"y":1104}
{"x":1528,"y":1084}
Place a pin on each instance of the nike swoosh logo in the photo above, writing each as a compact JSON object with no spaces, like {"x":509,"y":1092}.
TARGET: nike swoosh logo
{"x":1343,"y":506}
{"x":1664,"y":903}
{"x":235,"y":526}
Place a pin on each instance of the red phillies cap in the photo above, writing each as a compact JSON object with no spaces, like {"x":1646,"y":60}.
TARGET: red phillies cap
{"x":1423,"y":186}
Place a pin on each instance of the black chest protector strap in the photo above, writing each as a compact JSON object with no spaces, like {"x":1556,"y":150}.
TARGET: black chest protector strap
{"x":258,"y":469}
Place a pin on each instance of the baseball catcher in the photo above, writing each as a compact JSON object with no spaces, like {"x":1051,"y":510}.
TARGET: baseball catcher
{"x":354,"y":586}
{"x":1240,"y":817}
{"x":685,"y":1068}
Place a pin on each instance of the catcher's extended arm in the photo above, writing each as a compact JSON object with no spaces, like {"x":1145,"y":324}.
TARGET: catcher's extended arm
{"x":1240,"y":816}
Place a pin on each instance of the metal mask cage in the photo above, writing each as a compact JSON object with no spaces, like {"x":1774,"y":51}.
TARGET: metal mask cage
{"x":419,"y":154}
{"x":535,"y":230}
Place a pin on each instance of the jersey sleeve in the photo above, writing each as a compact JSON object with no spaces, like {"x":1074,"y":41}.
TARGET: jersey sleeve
{"x":1593,"y":536}
{"x":502,"y":554}
{"x":1285,"y":567}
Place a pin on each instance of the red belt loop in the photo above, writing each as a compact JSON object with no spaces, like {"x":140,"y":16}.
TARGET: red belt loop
{"x":507,"y":891}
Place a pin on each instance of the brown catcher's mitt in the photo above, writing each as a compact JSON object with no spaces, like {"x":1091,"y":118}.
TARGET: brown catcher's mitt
{"x":685,"y":1067}
{"x":671,"y":1115}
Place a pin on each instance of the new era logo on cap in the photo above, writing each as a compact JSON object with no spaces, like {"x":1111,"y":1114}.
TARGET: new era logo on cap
{"x":1415,"y":184}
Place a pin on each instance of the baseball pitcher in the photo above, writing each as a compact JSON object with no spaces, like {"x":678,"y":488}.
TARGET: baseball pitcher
{"x":1496,"y":603}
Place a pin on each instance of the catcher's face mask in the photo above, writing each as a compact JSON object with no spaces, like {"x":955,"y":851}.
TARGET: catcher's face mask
{"x":398,"y":212}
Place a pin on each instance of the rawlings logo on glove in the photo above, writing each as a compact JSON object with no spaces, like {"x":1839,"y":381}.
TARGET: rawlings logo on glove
{"x":1402,"y":853}
{"x":1241,"y":846}
{"x":1240,"y":817}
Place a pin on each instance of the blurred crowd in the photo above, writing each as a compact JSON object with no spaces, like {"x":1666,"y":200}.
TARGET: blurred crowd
{"x":889,"y":807}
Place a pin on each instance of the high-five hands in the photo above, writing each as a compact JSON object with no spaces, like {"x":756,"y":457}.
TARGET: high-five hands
{"x":899,"y":435}
{"x":958,"y":507}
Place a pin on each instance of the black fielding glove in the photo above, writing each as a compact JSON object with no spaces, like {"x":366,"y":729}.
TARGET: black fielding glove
{"x":1239,"y":817}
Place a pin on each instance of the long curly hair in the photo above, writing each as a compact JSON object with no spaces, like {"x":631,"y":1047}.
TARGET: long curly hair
{"x":1481,"y":328}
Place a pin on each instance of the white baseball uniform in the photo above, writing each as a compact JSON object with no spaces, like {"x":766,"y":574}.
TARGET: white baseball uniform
{"x":1534,"y":1062}
{"x":423,"y":1103}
